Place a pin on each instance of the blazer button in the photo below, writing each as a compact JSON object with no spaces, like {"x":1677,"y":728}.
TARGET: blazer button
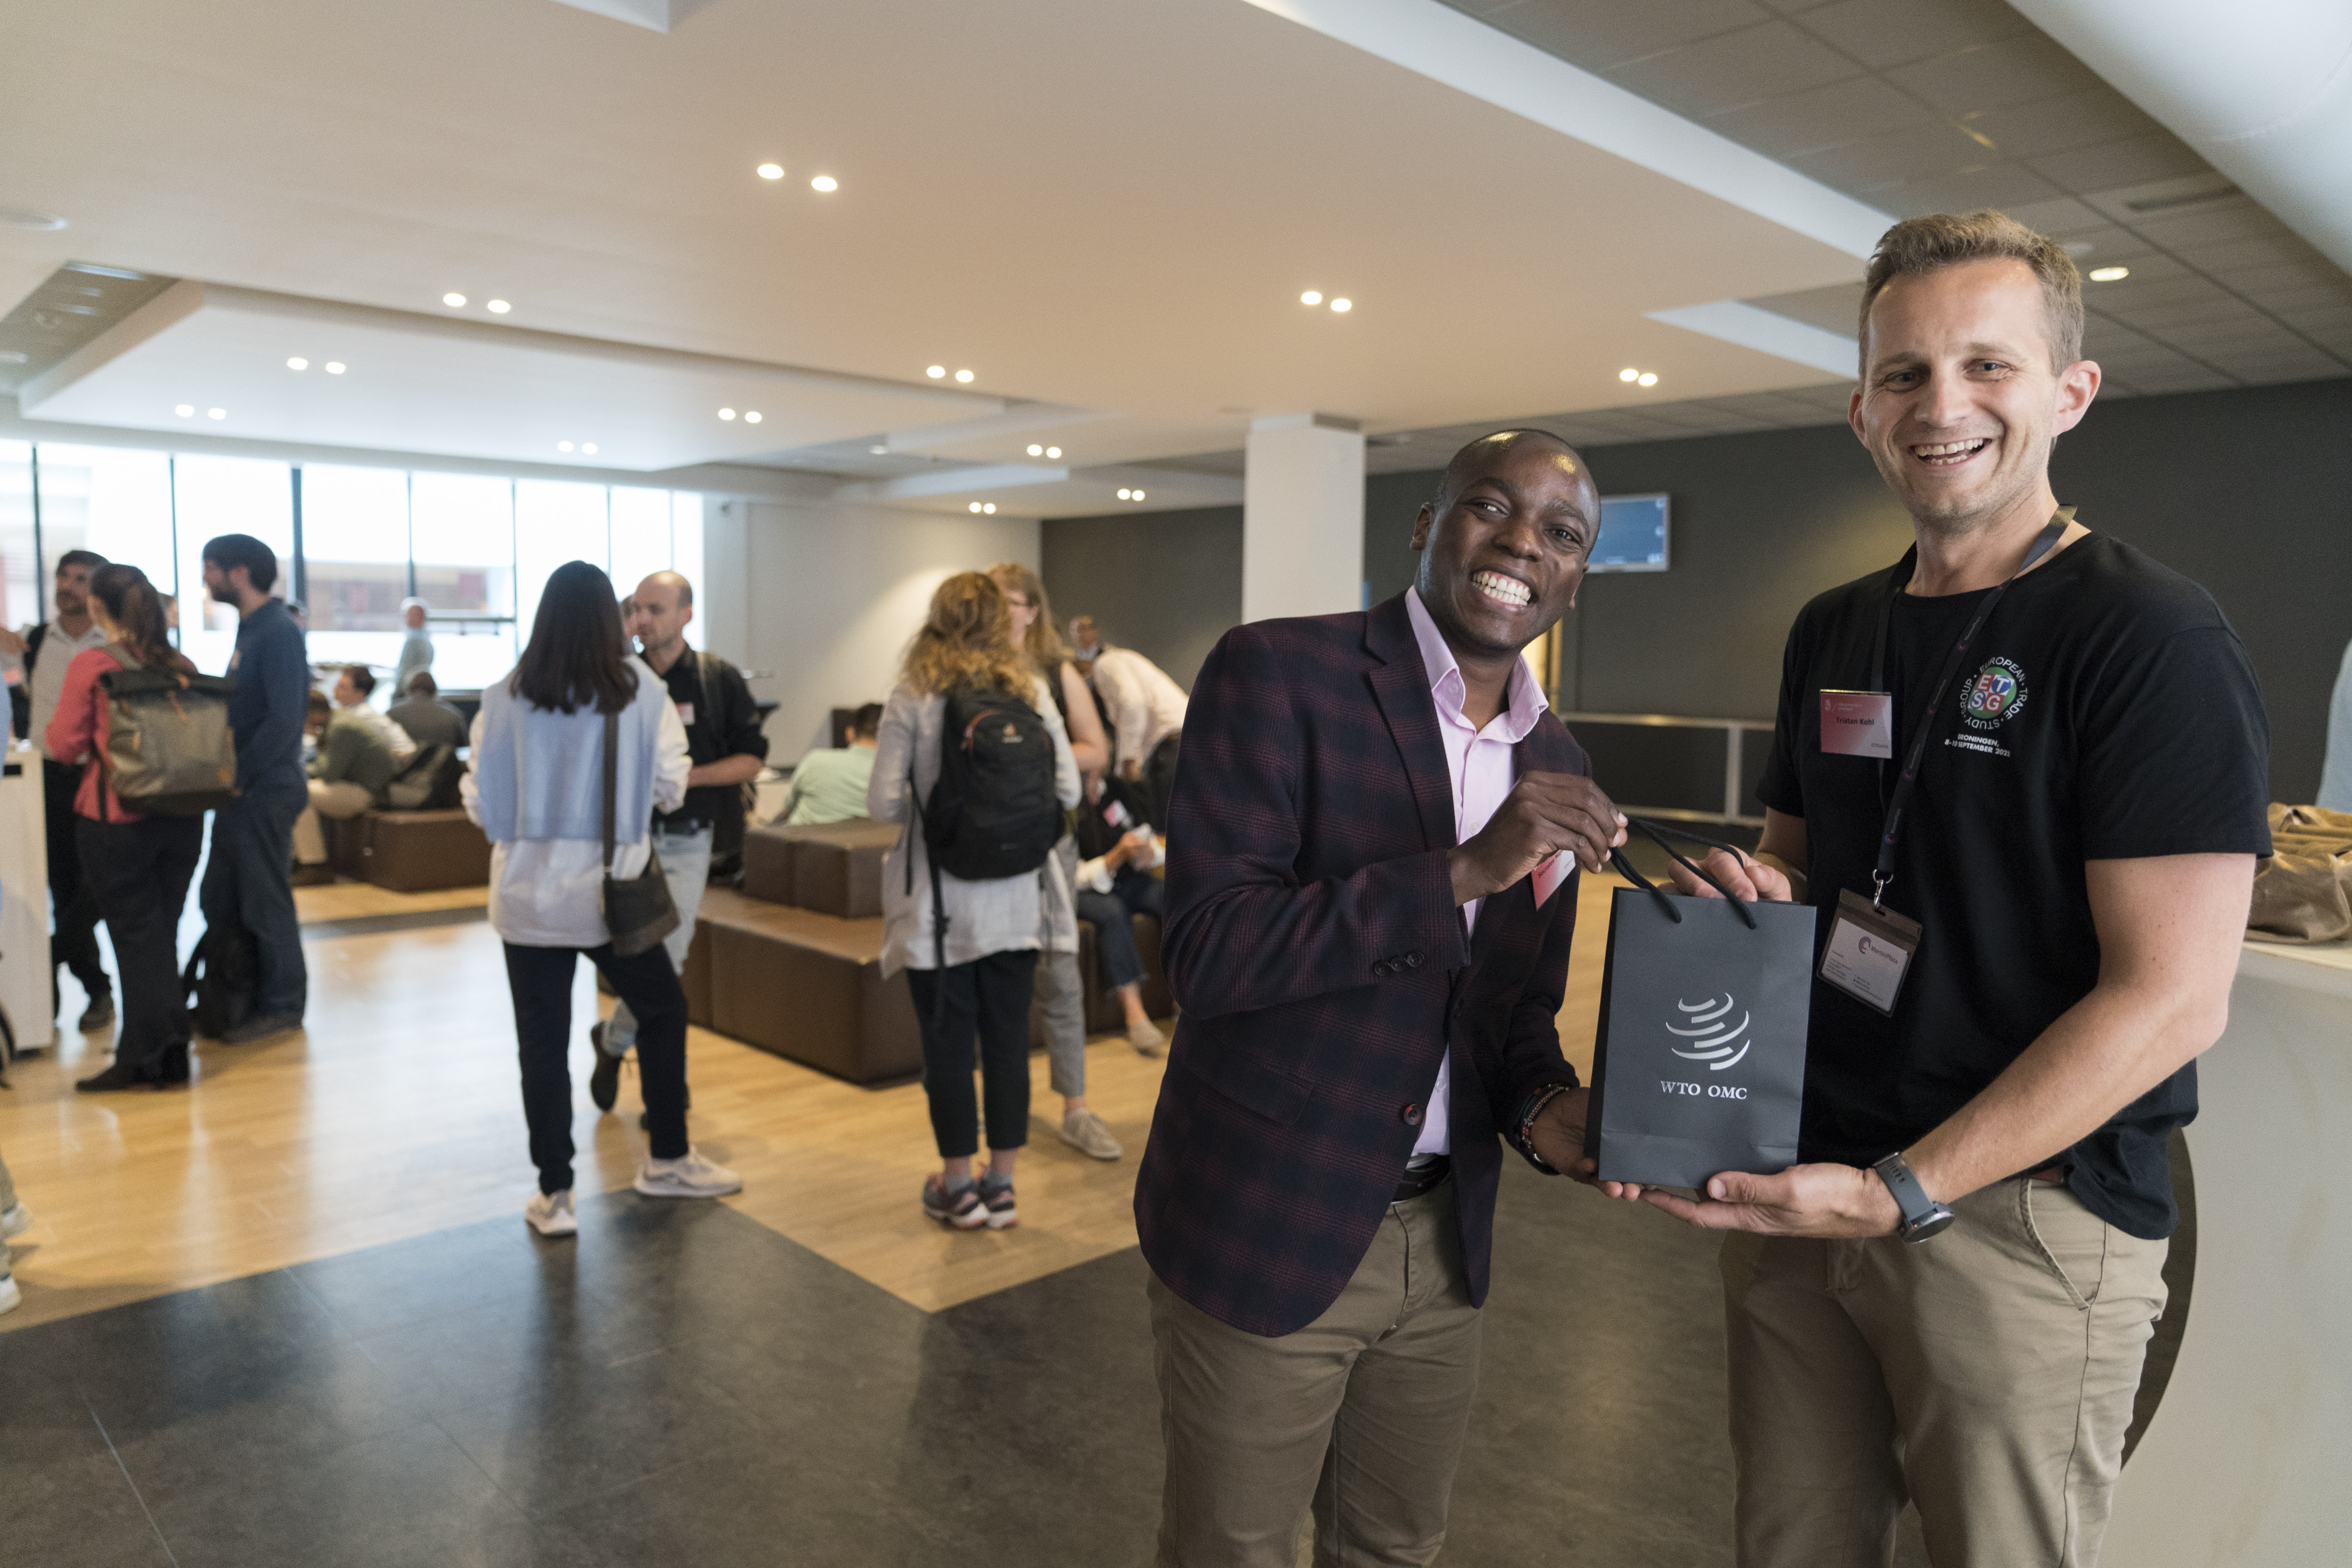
{"x":1413,"y":961}
{"x":1384,"y":969}
{"x":1411,"y":1115}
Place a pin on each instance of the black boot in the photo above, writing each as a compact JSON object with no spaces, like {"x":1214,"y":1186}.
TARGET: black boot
{"x":121,"y":1074}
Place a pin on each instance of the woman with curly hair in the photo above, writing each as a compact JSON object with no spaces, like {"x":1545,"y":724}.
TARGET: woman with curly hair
{"x":973,"y":976}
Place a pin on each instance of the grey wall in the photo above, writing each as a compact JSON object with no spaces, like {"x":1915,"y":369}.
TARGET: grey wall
{"x":2248,"y":492}
{"x":1165,"y":583}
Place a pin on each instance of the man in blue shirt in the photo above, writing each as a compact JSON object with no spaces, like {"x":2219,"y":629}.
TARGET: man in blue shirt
{"x":253,"y":836}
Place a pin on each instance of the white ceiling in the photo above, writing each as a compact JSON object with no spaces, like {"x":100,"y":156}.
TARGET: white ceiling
{"x":1108,"y":210}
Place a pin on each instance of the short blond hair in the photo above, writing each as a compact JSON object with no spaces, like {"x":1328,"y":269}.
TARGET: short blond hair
{"x":1922,"y":245}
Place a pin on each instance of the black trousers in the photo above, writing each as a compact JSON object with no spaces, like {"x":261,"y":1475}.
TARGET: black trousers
{"x":139,"y":873}
{"x":989,"y":997}
{"x":540,"y":981}
{"x":74,"y":939}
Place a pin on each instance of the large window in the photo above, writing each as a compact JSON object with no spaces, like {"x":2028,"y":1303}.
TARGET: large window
{"x":353,"y":545}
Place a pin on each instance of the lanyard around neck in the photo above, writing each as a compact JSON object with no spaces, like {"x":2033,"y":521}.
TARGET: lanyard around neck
{"x":1909,"y":779}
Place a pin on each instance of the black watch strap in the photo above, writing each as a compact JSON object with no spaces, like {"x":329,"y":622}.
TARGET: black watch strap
{"x":1923,"y":1216}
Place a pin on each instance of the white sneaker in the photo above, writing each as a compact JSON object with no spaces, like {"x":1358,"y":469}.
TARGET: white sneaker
{"x":693,"y":1174}
{"x":15,"y":1220}
{"x":10,"y":1296}
{"x":1146,"y":1037}
{"x":549,"y":1213}
{"x":1085,"y":1131}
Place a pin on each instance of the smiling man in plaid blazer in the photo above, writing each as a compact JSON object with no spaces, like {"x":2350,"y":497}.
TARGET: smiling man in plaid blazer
{"x":1373,"y":838}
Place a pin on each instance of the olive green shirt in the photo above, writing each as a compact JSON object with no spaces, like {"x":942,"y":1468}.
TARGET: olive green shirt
{"x":354,"y":751}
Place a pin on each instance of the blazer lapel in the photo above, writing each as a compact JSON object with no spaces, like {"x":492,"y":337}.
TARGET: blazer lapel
{"x":1401,"y":687}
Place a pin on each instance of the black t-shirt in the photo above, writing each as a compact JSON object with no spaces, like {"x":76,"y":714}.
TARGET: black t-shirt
{"x":721,"y":721}
{"x":2106,"y":712}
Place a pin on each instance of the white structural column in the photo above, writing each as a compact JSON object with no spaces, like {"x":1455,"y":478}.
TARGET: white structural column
{"x":1303,"y":517}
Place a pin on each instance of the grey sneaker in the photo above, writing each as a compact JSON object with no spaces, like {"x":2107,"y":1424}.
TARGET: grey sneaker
{"x":1145,"y":1037}
{"x":549,"y":1213}
{"x":1001,"y":1213}
{"x":960,"y":1207}
{"x":1085,"y":1131}
{"x":15,"y":1221}
{"x":10,"y":1296}
{"x":691,"y":1175}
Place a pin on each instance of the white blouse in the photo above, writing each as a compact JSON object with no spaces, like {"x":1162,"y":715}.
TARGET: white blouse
{"x":550,"y":892}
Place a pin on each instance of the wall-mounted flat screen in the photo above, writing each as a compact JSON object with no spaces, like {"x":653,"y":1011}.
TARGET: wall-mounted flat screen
{"x":1632,"y":534}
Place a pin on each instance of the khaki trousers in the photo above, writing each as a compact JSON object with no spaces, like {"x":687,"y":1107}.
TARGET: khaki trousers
{"x":1986,"y":1374}
{"x":1361,"y":1413}
{"x":341,"y":800}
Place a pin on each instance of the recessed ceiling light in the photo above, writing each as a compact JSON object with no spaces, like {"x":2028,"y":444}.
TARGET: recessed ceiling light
{"x":936,"y":372}
{"x":771,"y":171}
{"x":25,"y":217}
{"x":824,"y":182}
{"x":1312,"y":297}
{"x":1139,"y":495}
{"x":498,"y":307}
{"x":974,"y":507}
{"x":334,"y":367}
{"x":454,"y":301}
{"x":1343,"y":306}
{"x":879,"y":451}
{"x":185,"y":411}
{"x":589,"y":447}
{"x":752,"y":417}
{"x":1649,"y":378}
{"x":2109,"y":274}
{"x":990,"y":506}
{"x":298,"y":363}
{"x":563,"y":445}
{"x":1036,"y":450}
{"x":1124,"y":494}
{"x":727,"y":414}
{"x":963,"y":375}
{"x":1629,"y":373}
{"x":215,"y":412}
{"x":1053,"y":451}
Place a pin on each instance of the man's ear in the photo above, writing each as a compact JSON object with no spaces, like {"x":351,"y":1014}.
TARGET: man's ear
{"x":1422,"y":521}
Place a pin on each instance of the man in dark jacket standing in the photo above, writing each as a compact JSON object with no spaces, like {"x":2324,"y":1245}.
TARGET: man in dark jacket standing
{"x":1368,"y":932}
{"x":247,"y":882}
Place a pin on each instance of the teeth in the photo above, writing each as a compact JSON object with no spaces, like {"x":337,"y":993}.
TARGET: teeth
{"x":1495,"y":586}
{"x":1948,"y":449}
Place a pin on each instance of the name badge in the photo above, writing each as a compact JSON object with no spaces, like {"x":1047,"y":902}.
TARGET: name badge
{"x":1858,"y":723}
{"x":1869,"y":952}
{"x":686,"y":713}
{"x":1116,"y":814}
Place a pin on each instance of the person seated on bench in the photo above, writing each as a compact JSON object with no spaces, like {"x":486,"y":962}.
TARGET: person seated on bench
{"x":1115,"y":881}
{"x":829,"y":786}
{"x":354,"y":689}
{"x":347,"y":778}
{"x":428,"y":720}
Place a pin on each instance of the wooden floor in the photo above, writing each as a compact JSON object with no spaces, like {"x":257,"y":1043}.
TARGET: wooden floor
{"x":396,"y":1114}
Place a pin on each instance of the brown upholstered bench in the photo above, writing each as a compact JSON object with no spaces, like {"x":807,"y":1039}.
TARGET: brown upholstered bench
{"x":410,"y":851}
{"x":834,"y":868}
{"x":803,"y":984}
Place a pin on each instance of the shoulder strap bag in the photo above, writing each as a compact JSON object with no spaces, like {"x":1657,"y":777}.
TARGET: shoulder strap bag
{"x":638,"y":910}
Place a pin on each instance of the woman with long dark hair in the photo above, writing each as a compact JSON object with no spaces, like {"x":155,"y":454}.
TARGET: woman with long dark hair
{"x":973,"y":976}
{"x":536,"y":785}
{"x":139,"y":866}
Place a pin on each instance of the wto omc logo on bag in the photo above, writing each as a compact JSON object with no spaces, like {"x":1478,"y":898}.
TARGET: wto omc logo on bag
{"x":1712,"y":1036}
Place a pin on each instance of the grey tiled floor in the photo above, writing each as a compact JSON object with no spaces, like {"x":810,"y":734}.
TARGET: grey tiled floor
{"x":682,"y":1385}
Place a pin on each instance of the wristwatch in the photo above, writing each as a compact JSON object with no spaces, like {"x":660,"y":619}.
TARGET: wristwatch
{"x":1923,"y":1216}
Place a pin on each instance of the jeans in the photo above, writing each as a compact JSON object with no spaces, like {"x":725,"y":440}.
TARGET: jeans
{"x":686,"y":867}
{"x":540,"y":981}
{"x":140,"y":871}
{"x":246,"y":884}
{"x":989,"y":995}
{"x":75,"y":944}
{"x":1131,"y":893}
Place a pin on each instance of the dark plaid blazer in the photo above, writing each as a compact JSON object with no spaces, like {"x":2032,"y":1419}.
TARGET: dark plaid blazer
{"x":1313,"y":944}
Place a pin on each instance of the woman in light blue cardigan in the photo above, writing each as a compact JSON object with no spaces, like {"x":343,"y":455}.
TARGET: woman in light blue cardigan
{"x":537,"y":787}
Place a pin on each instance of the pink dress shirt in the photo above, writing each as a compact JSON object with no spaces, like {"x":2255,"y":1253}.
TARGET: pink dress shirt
{"x":1478,"y":762}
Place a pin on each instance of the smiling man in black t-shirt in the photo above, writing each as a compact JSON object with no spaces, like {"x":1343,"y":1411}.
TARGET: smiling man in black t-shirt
{"x":2021,"y":775}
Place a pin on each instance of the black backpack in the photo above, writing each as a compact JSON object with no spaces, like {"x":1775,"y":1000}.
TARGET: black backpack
{"x":994,"y":812}
{"x":222,"y":981}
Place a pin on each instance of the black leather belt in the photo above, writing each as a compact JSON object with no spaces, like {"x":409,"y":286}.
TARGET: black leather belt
{"x":1424,"y":1179}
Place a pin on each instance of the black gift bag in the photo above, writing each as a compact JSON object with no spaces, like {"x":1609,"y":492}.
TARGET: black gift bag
{"x":1699,"y":1064}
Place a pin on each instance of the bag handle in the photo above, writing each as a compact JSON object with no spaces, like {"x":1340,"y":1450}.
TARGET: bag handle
{"x":1657,"y":833}
{"x":612,"y":777}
